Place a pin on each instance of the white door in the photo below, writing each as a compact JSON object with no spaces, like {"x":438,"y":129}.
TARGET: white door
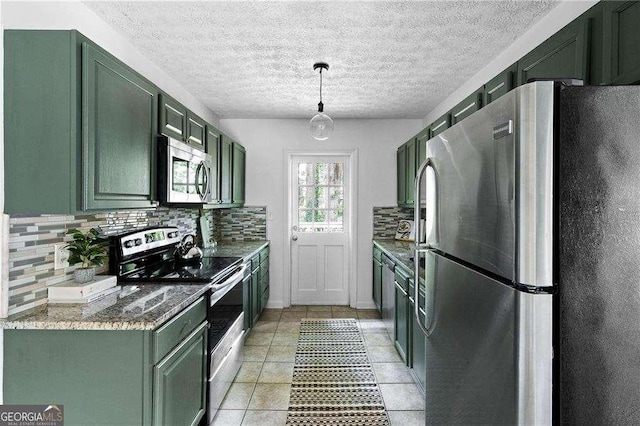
{"x":319,"y":228}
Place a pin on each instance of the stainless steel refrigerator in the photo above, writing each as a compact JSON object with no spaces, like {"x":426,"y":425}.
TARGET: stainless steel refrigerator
{"x":532,"y":260}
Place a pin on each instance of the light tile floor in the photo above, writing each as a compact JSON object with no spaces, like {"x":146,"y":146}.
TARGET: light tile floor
{"x":260,"y":392}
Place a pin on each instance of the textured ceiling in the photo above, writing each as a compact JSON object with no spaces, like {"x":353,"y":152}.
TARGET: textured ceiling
{"x":387,"y":59}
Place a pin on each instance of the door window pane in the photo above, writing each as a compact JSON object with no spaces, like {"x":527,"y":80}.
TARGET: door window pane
{"x":320,"y":197}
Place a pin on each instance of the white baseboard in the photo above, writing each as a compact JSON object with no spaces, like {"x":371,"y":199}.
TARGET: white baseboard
{"x":366,"y":305}
{"x":274,"y":304}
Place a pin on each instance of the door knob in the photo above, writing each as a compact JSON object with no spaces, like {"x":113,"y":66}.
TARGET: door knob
{"x":294,"y":238}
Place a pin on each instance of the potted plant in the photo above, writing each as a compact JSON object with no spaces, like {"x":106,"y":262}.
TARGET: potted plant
{"x":89,"y":249}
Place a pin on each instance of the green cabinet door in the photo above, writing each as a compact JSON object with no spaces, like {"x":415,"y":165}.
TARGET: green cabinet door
{"x":421,"y":145}
{"x":468,"y":106}
{"x":402,"y":322}
{"x":401,"y":173}
{"x":563,"y":55}
{"x":255,"y":296}
{"x":196,"y":131}
{"x":377,"y":284}
{"x":621,"y":42}
{"x":246,"y":302}
{"x":500,"y":84}
{"x":179,"y":382}
{"x":226,"y":169}
{"x":118,"y":112}
{"x":237,"y":185}
{"x":410,"y":170}
{"x":172,"y":117}
{"x":213,"y":149}
{"x":440,"y":125}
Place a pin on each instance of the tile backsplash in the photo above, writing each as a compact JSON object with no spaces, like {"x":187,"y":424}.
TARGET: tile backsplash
{"x":385,"y":220}
{"x":240,"y":224}
{"x":32,"y":240}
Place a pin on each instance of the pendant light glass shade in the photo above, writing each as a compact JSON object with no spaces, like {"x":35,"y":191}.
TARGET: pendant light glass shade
{"x":321,"y":125}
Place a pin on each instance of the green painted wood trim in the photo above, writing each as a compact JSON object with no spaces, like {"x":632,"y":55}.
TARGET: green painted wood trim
{"x":172,"y":332}
{"x":500,"y":84}
{"x":441,"y":124}
{"x":468,"y":106}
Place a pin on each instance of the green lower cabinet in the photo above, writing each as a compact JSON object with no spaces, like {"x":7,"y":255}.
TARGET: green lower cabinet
{"x":112,"y":376}
{"x":255,"y":296}
{"x":377,"y":284}
{"x":179,"y":382}
{"x":402,"y":323}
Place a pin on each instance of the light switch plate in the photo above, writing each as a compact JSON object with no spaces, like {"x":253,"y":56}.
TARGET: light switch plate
{"x":61,"y":256}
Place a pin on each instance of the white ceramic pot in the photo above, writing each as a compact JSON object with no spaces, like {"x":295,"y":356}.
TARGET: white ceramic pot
{"x":84,"y":275}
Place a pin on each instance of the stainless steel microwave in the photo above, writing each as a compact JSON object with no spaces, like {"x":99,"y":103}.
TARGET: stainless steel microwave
{"x":184,"y":173}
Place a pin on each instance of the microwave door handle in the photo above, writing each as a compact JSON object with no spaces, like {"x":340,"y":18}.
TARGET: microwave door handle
{"x":207,"y":173}
{"x":197,"y":183}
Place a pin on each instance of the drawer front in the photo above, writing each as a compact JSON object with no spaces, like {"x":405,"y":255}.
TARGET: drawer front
{"x":264,"y":254}
{"x":177,"y":328}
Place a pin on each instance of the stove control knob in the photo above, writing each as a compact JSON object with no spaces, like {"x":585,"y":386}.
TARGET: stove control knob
{"x":138,"y":241}
{"x":148,"y":238}
{"x":172,"y":234}
{"x":128,"y":244}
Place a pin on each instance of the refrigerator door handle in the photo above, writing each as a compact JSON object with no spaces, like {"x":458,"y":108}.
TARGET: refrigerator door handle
{"x":420,"y":248}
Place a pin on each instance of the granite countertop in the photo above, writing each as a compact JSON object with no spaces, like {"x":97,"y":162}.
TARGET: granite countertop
{"x":400,"y":251}
{"x":141,"y":307}
{"x":244,"y":249}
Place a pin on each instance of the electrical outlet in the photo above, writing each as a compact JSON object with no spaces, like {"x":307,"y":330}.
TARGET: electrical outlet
{"x":61,"y":256}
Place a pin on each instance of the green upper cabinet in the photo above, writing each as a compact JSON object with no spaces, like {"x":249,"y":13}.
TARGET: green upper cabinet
{"x":173,"y":118}
{"x":237,"y":183}
{"x":226,"y":169}
{"x":500,"y":84}
{"x":410,"y":170}
{"x":421,"y":145}
{"x":196,"y":131}
{"x":401,"y":171}
{"x":85,"y":109}
{"x":118,"y":114}
{"x":441,"y":124}
{"x":213,"y":149}
{"x":563,"y":55}
{"x":468,"y":106}
{"x":621,"y":62}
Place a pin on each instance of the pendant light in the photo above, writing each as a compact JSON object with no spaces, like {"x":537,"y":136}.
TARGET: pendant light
{"x":321,"y":125}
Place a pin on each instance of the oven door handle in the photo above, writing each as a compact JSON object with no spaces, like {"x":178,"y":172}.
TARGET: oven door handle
{"x":229,"y":282}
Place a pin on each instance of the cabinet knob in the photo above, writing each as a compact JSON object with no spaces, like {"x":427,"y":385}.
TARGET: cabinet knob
{"x":294,"y":238}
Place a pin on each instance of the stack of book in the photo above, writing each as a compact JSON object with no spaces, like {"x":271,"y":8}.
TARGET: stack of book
{"x":73,"y":292}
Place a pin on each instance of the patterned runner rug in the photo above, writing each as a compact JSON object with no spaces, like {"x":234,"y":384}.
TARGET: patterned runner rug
{"x":333,"y":381}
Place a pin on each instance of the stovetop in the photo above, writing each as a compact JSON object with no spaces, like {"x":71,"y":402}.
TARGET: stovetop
{"x":207,"y":269}
{"x":148,"y":255}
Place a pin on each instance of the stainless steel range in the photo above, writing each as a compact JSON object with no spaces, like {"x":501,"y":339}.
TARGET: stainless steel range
{"x":152,"y":256}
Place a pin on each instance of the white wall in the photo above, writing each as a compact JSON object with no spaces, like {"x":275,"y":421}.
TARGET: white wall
{"x":564,"y":13}
{"x":268,"y":140}
{"x":61,"y":15}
